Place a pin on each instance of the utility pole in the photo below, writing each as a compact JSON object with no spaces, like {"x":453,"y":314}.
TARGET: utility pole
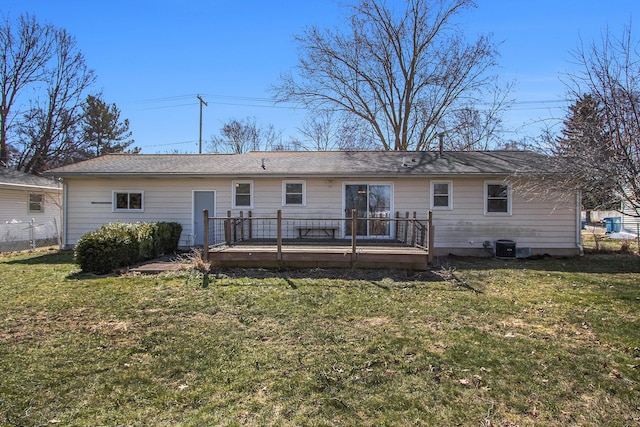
{"x":201,"y":102}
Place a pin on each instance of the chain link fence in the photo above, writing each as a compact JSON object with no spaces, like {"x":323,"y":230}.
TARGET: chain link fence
{"x":21,"y":235}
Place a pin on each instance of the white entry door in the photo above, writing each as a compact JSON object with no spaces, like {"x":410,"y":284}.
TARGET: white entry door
{"x":203,"y":200}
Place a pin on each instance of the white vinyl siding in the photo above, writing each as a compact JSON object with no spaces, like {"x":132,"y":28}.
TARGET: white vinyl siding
{"x":16,"y":206}
{"x":542,"y":224}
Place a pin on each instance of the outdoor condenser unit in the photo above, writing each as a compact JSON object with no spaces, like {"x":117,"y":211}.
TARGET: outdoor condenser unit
{"x":504,"y":248}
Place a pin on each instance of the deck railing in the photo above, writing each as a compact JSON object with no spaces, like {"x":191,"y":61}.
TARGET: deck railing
{"x":407,"y":230}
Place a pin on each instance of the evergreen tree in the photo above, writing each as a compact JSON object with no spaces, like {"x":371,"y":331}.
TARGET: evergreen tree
{"x":583,"y":144}
{"x":584,"y":128}
{"x":102,"y":130}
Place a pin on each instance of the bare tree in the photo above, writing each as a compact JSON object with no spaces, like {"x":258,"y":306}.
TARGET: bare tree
{"x":320,"y":132}
{"x":25,"y":51}
{"x":241,"y":136}
{"x":608,"y":154}
{"x":400,"y":72}
{"x":327,"y":131}
{"x":47,"y":135}
{"x":468,"y":127}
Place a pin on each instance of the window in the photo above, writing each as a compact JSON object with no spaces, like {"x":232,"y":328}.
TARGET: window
{"x":36,"y":203}
{"x":497,"y":198}
{"x":441,"y":195}
{"x":242,"y":194}
{"x":128,"y":201}
{"x":293,"y":193}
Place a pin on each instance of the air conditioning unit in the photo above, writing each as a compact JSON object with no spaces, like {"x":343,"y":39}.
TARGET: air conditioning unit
{"x":523,"y":252}
{"x":504,"y":248}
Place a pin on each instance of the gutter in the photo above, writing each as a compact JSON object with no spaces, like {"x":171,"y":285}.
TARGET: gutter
{"x":579,"y":223}
{"x":64,"y":214}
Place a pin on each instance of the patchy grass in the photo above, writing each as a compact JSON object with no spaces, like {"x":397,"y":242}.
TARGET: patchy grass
{"x":596,"y":241}
{"x":476,"y":342}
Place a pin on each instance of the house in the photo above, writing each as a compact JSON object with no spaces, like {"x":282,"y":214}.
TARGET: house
{"x":30,"y":210}
{"x":475,"y":198}
{"x":623,"y":219}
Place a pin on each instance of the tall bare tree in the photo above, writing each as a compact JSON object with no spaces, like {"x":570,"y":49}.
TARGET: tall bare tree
{"x":241,"y":136}
{"x":609,"y":156}
{"x":400,"y":72}
{"x":327,"y":131}
{"x":25,"y":50}
{"x":47,"y":133}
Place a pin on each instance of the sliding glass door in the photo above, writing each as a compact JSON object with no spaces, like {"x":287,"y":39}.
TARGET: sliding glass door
{"x":372,"y":203}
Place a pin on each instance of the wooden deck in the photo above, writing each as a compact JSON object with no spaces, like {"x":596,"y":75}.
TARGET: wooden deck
{"x":251,"y":242}
{"x":320,"y":256}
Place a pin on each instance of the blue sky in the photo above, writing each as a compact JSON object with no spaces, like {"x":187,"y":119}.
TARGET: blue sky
{"x":152,"y":58}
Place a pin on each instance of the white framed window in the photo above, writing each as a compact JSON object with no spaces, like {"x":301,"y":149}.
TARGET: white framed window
{"x":36,"y":203}
{"x":497,"y":198}
{"x":128,"y":201}
{"x":442,"y":195}
{"x":294,"y":193}
{"x":242,"y":194}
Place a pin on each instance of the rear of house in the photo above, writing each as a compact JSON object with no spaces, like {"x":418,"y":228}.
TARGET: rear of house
{"x":473,"y":202}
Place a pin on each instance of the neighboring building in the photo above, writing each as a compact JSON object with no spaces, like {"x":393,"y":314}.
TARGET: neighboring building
{"x":30,"y":210}
{"x":471,"y":194}
{"x":626,"y":217}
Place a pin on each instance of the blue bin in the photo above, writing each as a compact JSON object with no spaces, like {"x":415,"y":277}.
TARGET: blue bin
{"x":584,"y":224}
{"x":614,"y":225}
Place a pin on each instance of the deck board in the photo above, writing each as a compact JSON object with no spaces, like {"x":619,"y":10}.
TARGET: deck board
{"x":325,"y":256}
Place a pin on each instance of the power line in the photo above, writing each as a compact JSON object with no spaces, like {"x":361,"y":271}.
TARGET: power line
{"x":172,"y":143}
{"x":270,"y":103}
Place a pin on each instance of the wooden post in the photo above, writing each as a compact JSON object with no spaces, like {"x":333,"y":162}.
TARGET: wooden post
{"x":413,"y":229}
{"x":397,"y":225}
{"x":205,"y":238}
{"x":279,"y":238}
{"x":354,"y":224}
{"x":227,"y":228}
{"x":406,"y":227}
{"x":430,"y":242}
{"x":250,"y":226}
{"x":234,"y":228}
{"x":241,"y":226}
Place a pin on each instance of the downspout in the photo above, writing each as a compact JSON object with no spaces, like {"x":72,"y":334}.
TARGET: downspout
{"x":579,"y":223}
{"x":64,"y":214}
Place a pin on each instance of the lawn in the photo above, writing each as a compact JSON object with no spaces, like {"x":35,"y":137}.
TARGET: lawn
{"x":478,"y":342}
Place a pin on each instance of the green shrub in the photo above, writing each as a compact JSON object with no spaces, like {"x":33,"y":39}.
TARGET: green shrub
{"x":109,"y":247}
{"x":147,"y":233}
{"x":169,"y":236}
{"x":121,"y":244}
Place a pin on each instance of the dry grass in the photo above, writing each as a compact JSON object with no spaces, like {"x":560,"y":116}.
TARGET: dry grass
{"x":550,"y":342}
{"x":596,"y":241}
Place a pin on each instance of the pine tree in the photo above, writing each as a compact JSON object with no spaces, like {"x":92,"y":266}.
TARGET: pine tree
{"x":584,"y":129}
{"x":583,"y":144}
{"x":102,"y":130}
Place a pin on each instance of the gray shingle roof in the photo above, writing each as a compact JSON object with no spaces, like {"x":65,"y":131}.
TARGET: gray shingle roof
{"x":13,"y":178}
{"x":303,"y":163}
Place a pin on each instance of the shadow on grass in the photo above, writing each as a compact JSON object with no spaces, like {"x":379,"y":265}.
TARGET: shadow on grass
{"x":375,"y":276}
{"x":606,"y":264}
{"x":49,"y":258}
